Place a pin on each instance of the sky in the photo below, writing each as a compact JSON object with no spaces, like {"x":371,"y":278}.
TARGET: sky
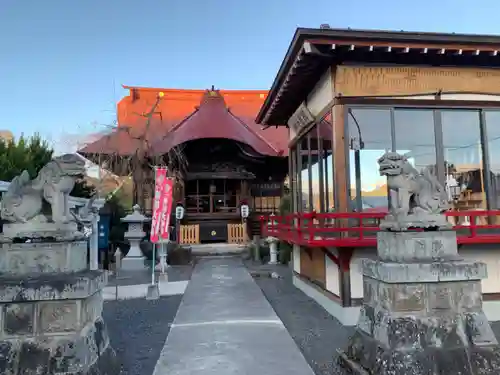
{"x":62,"y":62}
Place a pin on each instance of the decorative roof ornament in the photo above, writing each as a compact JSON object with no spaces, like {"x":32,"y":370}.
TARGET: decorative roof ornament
{"x":213,"y":92}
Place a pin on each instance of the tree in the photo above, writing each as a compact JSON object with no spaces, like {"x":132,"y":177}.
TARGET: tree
{"x":139,"y":161}
{"x":82,"y":189}
{"x":31,"y":154}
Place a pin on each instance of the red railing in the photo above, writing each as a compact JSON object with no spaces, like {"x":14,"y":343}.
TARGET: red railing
{"x":353,"y":229}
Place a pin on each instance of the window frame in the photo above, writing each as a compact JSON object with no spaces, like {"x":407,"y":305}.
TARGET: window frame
{"x":437,"y":109}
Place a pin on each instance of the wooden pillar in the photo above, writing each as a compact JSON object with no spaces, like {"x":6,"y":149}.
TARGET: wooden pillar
{"x":292,"y":155}
{"x":319,"y":147}
{"x":340,"y":166}
{"x":244,"y":189}
{"x":309,"y":173}
{"x":345,"y":256}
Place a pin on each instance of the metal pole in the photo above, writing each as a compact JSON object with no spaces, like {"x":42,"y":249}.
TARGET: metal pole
{"x":94,"y":237}
{"x":118,"y":264}
{"x":163,"y":259}
{"x":357,"y":169}
{"x":178,"y":231}
{"x":153,"y":263}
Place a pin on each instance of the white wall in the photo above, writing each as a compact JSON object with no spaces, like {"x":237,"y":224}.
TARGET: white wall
{"x":321,"y":95}
{"x":332,"y":276}
{"x":357,"y":271}
{"x":318,"y":100}
{"x":490,"y":255}
{"x":296,"y":258}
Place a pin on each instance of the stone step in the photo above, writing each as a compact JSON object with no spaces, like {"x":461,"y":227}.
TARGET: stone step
{"x":217,"y":249}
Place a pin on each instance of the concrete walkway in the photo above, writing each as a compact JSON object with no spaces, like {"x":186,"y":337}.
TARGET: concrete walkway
{"x":225,"y":325}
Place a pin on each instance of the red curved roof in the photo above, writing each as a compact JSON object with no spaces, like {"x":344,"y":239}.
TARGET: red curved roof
{"x":235,"y":116}
{"x":212,"y":119}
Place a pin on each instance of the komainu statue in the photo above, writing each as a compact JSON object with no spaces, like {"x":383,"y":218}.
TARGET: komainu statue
{"x":23,"y":205}
{"x":420,"y":199}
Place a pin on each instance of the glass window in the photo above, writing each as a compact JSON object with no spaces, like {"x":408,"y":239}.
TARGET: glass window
{"x":463,"y":156}
{"x":369,"y":138}
{"x":292,"y":179}
{"x":316,"y":177}
{"x":312,"y":164}
{"x":306,"y":173}
{"x":329,"y":178}
{"x":299,"y":166}
{"x":325,"y":163}
{"x":415,"y":136}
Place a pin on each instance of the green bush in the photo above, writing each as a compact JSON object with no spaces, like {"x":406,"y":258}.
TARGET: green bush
{"x":285,"y":204}
{"x":264,"y":254}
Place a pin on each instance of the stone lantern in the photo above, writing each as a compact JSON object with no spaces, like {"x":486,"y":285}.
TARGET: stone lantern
{"x":134,"y":260}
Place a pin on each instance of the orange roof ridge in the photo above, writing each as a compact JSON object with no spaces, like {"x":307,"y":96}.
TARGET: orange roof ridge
{"x":195,"y":91}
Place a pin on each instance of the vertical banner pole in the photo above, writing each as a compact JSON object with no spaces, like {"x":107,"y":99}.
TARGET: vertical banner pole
{"x":161,"y":215}
{"x":153,"y":258}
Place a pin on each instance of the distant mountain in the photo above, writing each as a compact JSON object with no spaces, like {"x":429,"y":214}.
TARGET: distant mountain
{"x":380,"y":191}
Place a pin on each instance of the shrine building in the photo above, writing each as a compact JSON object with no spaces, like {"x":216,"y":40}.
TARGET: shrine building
{"x":217,"y":154}
{"x":348,"y":96}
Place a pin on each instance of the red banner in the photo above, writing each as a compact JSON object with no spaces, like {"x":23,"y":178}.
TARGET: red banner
{"x":162,"y":206}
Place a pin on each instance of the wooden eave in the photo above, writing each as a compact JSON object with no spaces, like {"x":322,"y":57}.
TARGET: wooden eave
{"x":312,"y":51}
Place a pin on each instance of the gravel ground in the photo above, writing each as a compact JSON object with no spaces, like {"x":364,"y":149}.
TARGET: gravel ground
{"x":316,"y":332}
{"x":138,"y":329}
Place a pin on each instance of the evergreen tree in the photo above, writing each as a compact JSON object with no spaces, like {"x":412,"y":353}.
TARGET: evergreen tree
{"x":32,"y":154}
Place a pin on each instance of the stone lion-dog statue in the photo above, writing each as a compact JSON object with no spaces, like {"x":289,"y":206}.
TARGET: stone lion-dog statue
{"x":24,"y":200}
{"x":420,"y":199}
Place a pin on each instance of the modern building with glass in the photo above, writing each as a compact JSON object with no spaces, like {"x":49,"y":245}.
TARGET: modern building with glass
{"x":348,"y":96}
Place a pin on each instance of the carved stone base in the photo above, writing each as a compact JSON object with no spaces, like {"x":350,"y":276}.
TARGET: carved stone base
{"x":422,"y":318}
{"x":472,"y":361}
{"x":133,"y":263}
{"x":40,"y":230}
{"x":425,"y":221}
{"x":402,"y":343}
{"x":42,"y":257}
{"x":52,"y":324}
{"x":422,"y":311}
{"x":87,"y":352}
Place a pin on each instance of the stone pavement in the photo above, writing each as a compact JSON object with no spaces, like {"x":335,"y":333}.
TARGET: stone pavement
{"x":225,"y":325}
{"x":134,"y":284}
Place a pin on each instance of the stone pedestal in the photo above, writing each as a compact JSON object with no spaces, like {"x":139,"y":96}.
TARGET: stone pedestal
{"x":422,"y":311}
{"x":273,"y":250}
{"x":51,"y":311}
{"x":134,"y":260}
